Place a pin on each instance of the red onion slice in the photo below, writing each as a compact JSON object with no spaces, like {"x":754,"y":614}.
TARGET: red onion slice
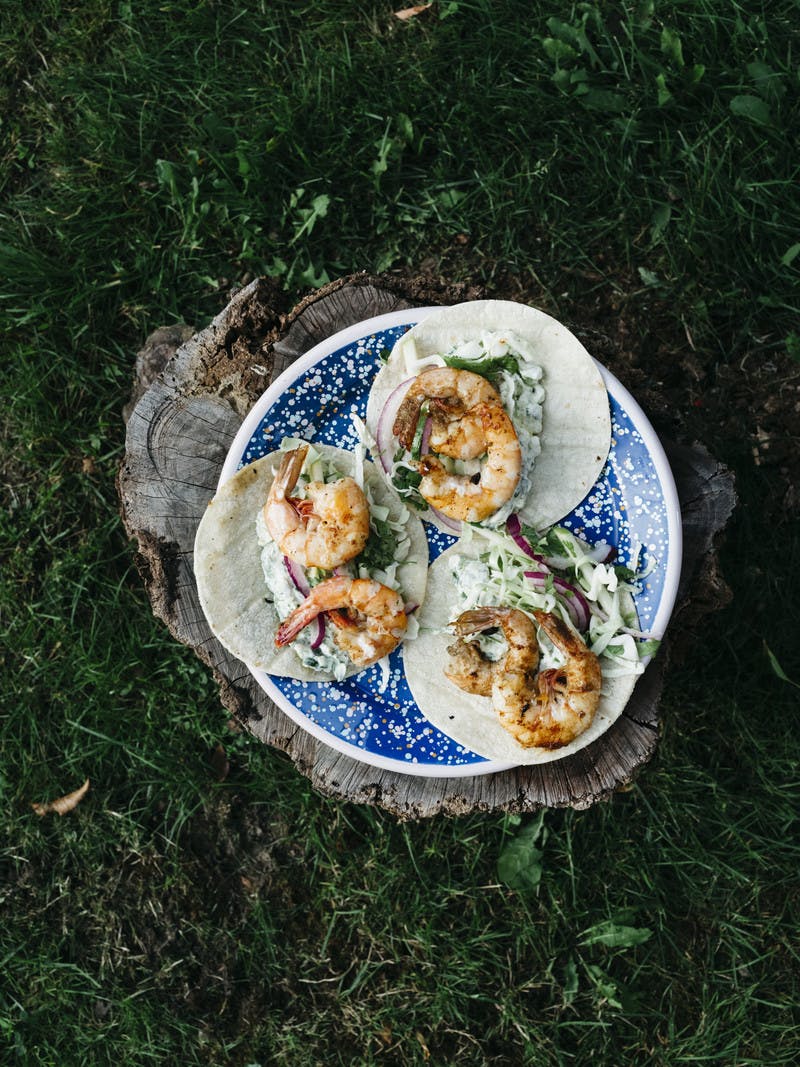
{"x":514,"y":531}
{"x":297,"y":575}
{"x":445,"y":520}
{"x":295,"y":572}
{"x":320,"y":637}
{"x":577,"y":604}
{"x":384,"y":435}
{"x":573,"y":599}
{"x":514,"y":526}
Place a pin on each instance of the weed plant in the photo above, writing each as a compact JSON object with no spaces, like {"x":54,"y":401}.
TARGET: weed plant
{"x":635,"y":155}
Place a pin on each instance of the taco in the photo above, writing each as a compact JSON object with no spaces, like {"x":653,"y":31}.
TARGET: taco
{"x":333,"y":572}
{"x":504,"y":592}
{"x":487,"y":409}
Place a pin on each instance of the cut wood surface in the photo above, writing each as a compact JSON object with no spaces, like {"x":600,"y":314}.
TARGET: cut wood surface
{"x":185,"y":411}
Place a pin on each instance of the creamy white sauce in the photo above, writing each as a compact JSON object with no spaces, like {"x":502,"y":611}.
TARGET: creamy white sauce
{"x":285,"y":597}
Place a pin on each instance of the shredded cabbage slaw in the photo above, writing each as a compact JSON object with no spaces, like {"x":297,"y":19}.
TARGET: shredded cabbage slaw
{"x":492,"y":568}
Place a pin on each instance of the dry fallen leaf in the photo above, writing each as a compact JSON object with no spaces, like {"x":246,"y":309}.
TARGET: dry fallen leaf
{"x":63,"y":804}
{"x":411,"y":12}
{"x":385,"y":1034}
{"x":219,"y":762}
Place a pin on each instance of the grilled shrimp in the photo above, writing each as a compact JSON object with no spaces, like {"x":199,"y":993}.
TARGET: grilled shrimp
{"x":370,"y":618}
{"x":473,"y":672}
{"x":567,"y":697}
{"x":547,"y":709}
{"x":460,"y":496}
{"x":451,"y":394}
{"x":468,"y":668}
{"x":326,"y":528}
{"x":468,"y":421}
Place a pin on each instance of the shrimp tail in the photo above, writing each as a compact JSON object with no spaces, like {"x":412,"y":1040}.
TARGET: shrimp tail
{"x":289,"y":471}
{"x":475,"y":621}
{"x":406,"y":419}
{"x":329,"y":594}
{"x":294,"y":623}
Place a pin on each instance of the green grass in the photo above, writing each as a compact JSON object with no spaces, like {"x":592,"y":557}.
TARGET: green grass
{"x":632,"y":169}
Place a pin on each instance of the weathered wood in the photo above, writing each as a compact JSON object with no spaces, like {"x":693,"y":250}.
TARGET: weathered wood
{"x":179,"y":431}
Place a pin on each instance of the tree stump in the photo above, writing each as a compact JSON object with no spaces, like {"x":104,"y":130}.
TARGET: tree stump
{"x":179,"y":430}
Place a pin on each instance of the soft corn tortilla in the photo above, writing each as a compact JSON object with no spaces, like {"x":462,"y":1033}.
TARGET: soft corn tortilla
{"x":576,"y":426}
{"x":230,"y":579}
{"x":470,"y":720}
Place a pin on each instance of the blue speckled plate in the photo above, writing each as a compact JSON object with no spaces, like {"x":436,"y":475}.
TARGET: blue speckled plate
{"x":633,"y":505}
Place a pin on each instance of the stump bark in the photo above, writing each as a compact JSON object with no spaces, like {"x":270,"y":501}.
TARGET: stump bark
{"x":186,"y":409}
